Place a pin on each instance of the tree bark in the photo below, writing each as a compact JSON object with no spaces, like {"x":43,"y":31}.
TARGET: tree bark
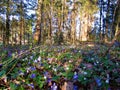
{"x":21,"y":22}
{"x":40,"y":18}
{"x":7,"y":23}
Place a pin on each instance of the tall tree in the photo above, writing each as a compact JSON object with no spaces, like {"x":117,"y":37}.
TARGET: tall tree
{"x":73,"y":22}
{"x":7,"y":22}
{"x":2,"y":30}
{"x":116,"y":22}
{"x":39,"y":13}
{"x":21,"y":21}
{"x":87,"y":9}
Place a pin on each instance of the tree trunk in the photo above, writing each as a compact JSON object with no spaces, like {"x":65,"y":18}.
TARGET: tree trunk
{"x":24,"y":31}
{"x":21,"y":22}
{"x":116,"y":23}
{"x":107,"y":26}
{"x":39,"y":19}
{"x":117,"y":32}
{"x":28,"y":39}
{"x":73,"y":29}
{"x":7,"y":23}
{"x":15,"y":38}
{"x":21,"y":31}
{"x":84,"y":28}
{"x":100,"y":31}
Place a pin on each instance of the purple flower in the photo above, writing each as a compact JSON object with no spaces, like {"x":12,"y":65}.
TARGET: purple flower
{"x":75,"y":51}
{"x":98,"y":81}
{"x":95,"y":64}
{"x":75,"y":77}
{"x":1,"y":65}
{"x":32,"y":68}
{"x":54,"y":87}
{"x":35,"y":61}
{"x":31,"y":85}
{"x":45,"y":73}
{"x":49,"y":59}
{"x":109,"y":88}
{"x":118,"y":80}
{"x":33,"y":76}
{"x":48,"y":80}
{"x":29,"y":62}
{"x":75,"y":87}
{"x":19,"y":64}
{"x":116,"y":43}
{"x":18,"y":51}
{"x":31,"y":57}
{"x":20,"y":72}
{"x":9,"y":54}
{"x":42,"y":64}
{"x":58,"y":50}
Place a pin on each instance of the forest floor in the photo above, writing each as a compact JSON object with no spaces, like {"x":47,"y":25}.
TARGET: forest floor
{"x":88,"y":66}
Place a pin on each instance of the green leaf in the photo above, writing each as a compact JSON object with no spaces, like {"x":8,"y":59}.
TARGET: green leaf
{"x":13,"y":86}
{"x":21,"y":88}
{"x":2,"y":73}
{"x":41,"y":84}
{"x":70,"y":75}
{"x":55,"y":78}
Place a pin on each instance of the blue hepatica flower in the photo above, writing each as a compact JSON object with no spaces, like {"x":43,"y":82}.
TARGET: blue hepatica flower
{"x":98,"y":81}
{"x":35,"y":61}
{"x":9,"y":54}
{"x":109,"y":88}
{"x":1,"y":65}
{"x":48,"y":80}
{"x":32,"y":68}
{"x":95,"y":64}
{"x":75,"y":77}
{"x":31,"y":57}
{"x":75,"y":87}
{"x":19,"y":64}
{"x":49,"y":59}
{"x":75,"y":51}
{"x":45,"y":73}
{"x":29,"y":62}
{"x":20,"y":72}
{"x":54,"y":87}
{"x":33,"y":76}
{"x":31,"y":85}
{"x":42,"y":64}
{"x":58,"y":50}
